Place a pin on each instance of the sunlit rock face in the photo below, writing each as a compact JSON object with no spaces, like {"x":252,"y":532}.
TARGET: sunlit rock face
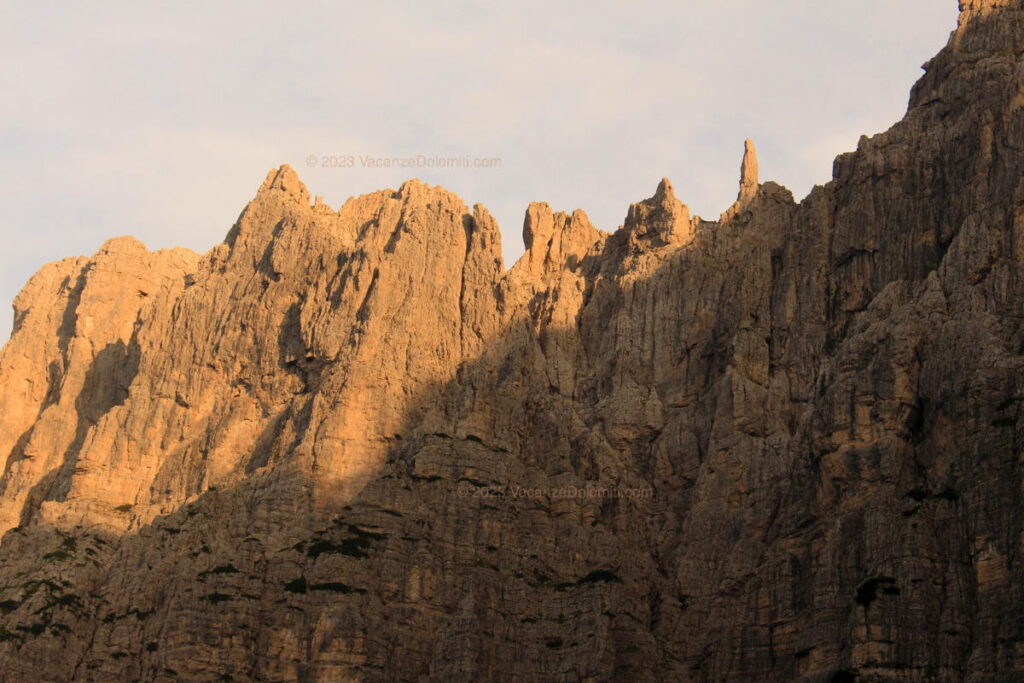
{"x":350,"y":445}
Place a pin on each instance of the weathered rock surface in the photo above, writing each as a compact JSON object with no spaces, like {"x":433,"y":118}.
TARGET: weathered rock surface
{"x":348,"y":445}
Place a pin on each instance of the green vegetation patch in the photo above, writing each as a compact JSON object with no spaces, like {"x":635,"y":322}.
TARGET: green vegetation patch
{"x":298,"y":585}
{"x":600,"y":576}
{"x":356,"y":545}
{"x":868,"y":590}
{"x":335,"y":587}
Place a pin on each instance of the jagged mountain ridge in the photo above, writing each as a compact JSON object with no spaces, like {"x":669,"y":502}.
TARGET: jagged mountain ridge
{"x":336,"y":446}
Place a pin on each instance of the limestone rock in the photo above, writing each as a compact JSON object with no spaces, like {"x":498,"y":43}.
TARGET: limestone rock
{"x":749,"y":184}
{"x":748,"y":172}
{"x":661,"y":220}
{"x":555,"y":241}
{"x":349,"y":445}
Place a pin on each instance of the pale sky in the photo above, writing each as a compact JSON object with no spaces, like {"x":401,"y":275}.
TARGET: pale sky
{"x":160,"y":120}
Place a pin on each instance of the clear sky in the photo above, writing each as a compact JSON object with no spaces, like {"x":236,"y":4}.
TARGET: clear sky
{"x":160,"y":120}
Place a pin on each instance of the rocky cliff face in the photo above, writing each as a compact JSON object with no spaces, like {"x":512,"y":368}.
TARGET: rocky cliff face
{"x":348,"y":445}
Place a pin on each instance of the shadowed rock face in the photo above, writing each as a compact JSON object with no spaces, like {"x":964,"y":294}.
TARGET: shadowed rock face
{"x":348,"y":445}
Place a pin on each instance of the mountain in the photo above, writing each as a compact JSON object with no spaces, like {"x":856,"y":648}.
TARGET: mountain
{"x":347,"y":444}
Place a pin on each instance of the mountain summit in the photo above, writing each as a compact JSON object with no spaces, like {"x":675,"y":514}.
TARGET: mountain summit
{"x":350,"y":445}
